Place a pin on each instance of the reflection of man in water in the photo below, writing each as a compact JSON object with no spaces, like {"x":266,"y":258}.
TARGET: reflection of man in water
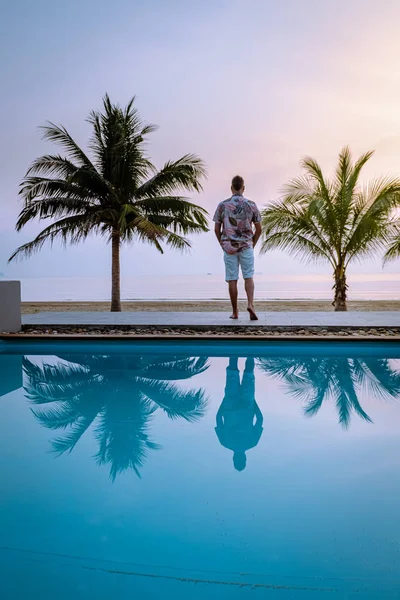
{"x":236,"y":428}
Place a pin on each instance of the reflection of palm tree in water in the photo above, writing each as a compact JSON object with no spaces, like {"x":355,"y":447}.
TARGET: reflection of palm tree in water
{"x":236,"y":428}
{"x":116,"y":394}
{"x":313,"y":380}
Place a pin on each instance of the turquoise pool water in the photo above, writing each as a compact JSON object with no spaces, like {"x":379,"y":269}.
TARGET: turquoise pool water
{"x":199,"y":471}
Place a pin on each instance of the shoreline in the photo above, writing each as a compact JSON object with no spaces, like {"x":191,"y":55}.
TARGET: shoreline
{"x":206,"y":306}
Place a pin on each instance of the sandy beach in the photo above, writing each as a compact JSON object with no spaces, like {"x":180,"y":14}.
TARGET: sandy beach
{"x":210,"y":305}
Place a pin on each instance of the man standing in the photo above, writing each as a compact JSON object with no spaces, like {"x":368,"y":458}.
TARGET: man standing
{"x":234,"y":220}
{"x":239,"y":419}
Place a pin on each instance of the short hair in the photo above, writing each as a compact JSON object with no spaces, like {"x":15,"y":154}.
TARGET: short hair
{"x":237,"y":183}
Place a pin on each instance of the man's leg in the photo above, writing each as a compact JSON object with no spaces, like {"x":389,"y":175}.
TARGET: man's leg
{"x":249,"y":367}
{"x":249,"y":287}
{"x":233,"y":295}
{"x":232,"y":276}
{"x":232,"y":391}
{"x":233,"y":363}
{"x":247,"y":265}
{"x":248,"y":384}
{"x":232,"y":385}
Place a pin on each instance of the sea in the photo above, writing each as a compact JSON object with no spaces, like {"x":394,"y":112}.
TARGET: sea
{"x":380,"y":286}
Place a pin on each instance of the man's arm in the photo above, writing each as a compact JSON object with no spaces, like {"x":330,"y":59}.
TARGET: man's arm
{"x":258,"y":414}
{"x":220,"y":417}
{"x":217,"y":231}
{"x":257,"y":233}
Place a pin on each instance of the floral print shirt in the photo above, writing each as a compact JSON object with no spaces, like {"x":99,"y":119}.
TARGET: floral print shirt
{"x":237,"y":215}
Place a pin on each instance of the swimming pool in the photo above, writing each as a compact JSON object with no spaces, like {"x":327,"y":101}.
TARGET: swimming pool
{"x":181,"y":470}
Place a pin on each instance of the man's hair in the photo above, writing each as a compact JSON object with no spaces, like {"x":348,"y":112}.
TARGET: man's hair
{"x":239,"y":461}
{"x":237,"y":183}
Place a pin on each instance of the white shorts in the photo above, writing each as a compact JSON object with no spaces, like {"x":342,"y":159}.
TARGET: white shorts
{"x":244,"y":258}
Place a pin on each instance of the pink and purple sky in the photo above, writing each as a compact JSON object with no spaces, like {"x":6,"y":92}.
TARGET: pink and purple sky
{"x":249,"y":86}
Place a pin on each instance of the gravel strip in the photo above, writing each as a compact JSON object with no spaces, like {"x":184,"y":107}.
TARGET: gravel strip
{"x":213,"y":332}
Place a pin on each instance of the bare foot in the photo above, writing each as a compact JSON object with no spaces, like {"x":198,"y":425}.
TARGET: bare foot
{"x":234,"y":316}
{"x":252,"y":313}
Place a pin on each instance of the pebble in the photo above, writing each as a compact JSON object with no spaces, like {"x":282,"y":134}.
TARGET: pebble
{"x":218,"y":331}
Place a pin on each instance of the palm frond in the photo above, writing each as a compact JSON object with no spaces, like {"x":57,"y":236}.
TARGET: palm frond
{"x":314,"y":172}
{"x":175,"y":368}
{"x":59,"y":135}
{"x":182,"y":226}
{"x":354,"y":176}
{"x":49,"y":383}
{"x":124,"y":442}
{"x":299,"y":190}
{"x":379,"y":378}
{"x":156,"y":234}
{"x":189,"y":405}
{"x":52,"y":164}
{"x":285,"y":219}
{"x":393,"y":247}
{"x":297,"y":244}
{"x":117,"y":143}
{"x":57,"y":417}
{"x":177,"y":206}
{"x":67,"y":442}
{"x":50,"y":208}
{"x":44,"y":189}
{"x":371,"y":228}
{"x":68,"y":230}
{"x":314,"y":404}
{"x":185,"y":173}
{"x":315,"y":380}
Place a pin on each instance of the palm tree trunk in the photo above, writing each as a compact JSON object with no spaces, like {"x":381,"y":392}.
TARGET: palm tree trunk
{"x":340,"y":298}
{"x":115,"y":272}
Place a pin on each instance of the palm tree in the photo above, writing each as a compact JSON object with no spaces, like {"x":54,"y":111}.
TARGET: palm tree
{"x":333,"y":220}
{"x":118,"y":396}
{"x":117,"y":193}
{"x":314,"y":380}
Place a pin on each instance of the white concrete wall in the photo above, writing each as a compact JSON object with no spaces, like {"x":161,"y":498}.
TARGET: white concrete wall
{"x":10,"y":306}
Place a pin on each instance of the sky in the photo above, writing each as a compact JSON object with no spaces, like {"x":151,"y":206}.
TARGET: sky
{"x":251,"y":87}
